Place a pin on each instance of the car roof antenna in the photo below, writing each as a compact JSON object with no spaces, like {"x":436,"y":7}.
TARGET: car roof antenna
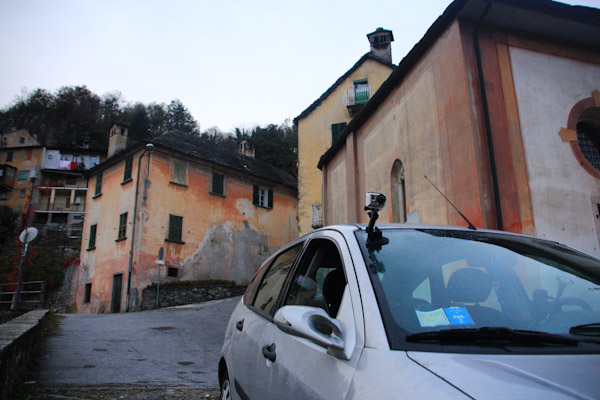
{"x":471,"y":226}
{"x":375,"y":203}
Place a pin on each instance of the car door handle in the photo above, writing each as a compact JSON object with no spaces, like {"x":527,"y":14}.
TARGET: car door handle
{"x":239,"y":325}
{"x":269,"y":352}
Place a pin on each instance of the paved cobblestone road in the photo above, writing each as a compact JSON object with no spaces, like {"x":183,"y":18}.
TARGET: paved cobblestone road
{"x":168,"y":353}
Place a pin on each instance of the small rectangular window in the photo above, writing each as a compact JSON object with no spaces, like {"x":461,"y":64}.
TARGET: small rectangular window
{"x":23,"y":174}
{"x":122,"y":226}
{"x":128,"y":168}
{"x":98,"y":191}
{"x":179,"y":172}
{"x":175,"y":228}
{"x":262,"y":197}
{"x":9,"y":156}
{"x":4,"y":195}
{"x":336,"y":130}
{"x":92,"y":241}
{"x":29,"y":154}
{"x":22,"y":193}
{"x":88,"y":293}
{"x":21,"y":140}
{"x":173,"y":272}
{"x":218,"y":184}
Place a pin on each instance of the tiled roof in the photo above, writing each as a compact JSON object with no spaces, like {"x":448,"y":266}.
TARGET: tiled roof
{"x":204,"y":150}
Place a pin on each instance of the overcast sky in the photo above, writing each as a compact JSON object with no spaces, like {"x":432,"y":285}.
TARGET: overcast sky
{"x":232,"y":63}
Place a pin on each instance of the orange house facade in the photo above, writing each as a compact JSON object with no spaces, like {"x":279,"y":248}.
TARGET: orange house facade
{"x":501,"y":114}
{"x":215,"y":214}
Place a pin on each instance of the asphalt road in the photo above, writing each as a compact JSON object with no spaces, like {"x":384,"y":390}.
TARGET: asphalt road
{"x":175,"y":347}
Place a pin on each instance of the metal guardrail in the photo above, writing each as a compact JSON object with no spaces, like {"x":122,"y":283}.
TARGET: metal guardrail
{"x":27,"y":295}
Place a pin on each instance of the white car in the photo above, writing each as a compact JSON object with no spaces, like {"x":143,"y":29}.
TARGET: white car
{"x":352,"y":312}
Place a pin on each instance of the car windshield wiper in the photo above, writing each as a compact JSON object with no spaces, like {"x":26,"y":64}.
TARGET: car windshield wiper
{"x":586,"y":329}
{"x":495,"y":336}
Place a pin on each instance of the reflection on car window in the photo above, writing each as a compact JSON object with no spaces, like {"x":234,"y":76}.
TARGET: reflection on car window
{"x":428,"y":280}
{"x":272,"y":281}
{"x":320,"y":279}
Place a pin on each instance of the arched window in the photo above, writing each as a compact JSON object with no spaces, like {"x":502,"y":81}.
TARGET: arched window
{"x":398,"y":196}
{"x":588,"y":135}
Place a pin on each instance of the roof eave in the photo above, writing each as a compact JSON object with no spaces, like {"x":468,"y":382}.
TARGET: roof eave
{"x":452,"y":12}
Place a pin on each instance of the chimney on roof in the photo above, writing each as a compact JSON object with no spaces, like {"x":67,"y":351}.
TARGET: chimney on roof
{"x":246,"y":147}
{"x":381,"y":44}
{"x":118,"y":138}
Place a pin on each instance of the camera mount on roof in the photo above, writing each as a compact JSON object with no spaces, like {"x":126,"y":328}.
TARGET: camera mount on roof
{"x":374,"y":203}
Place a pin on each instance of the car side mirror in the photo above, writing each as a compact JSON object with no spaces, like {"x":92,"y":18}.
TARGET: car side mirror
{"x":311,"y":323}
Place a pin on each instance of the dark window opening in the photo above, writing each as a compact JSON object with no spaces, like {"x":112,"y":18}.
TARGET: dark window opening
{"x":88,"y":293}
{"x":173,"y":272}
{"x":9,"y":156}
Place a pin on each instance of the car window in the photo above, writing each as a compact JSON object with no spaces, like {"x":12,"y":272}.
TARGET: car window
{"x":273,"y":280}
{"x":319,"y":280}
{"x":429,"y":280}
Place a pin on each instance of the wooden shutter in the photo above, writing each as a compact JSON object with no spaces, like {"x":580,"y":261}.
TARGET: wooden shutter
{"x":255,"y":195}
{"x":270,"y":204}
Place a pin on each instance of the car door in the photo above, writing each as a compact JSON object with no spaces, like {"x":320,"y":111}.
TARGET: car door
{"x":295,"y":367}
{"x":250,"y":321}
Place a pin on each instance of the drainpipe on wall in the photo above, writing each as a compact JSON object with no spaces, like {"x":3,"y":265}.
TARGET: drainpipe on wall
{"x":149,"y":149}
{"x":486,"y":117}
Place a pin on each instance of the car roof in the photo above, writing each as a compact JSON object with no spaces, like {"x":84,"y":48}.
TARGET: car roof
{"x":351,"y":228}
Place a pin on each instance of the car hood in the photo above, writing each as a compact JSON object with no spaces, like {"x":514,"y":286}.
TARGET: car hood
{"x":483,"y":376}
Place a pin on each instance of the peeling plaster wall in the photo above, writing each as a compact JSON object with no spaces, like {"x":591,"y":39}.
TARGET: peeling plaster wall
{"x":224,"y":237}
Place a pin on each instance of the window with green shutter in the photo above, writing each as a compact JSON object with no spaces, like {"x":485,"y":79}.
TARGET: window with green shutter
{"x":92,"y":240}
{"x":262,"y":197}
{"x":122,"y":226}
{"x":218,"y":184}
{"x":336,"y":130}
{"x":98,"y":191}
{"x":128,"y":169}
{"x":175,"y":228}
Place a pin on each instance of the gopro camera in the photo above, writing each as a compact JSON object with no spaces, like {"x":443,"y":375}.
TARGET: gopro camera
{"x":375,"y":201}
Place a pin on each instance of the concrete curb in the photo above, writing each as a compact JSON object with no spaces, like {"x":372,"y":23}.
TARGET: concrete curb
{"x":18,"y":338}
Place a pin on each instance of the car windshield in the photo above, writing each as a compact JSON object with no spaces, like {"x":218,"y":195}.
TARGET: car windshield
{"x":430,"y":280}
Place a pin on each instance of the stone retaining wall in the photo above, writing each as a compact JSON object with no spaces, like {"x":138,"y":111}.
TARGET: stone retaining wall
{"x":178,"y":295}
{"x":18,"y":339}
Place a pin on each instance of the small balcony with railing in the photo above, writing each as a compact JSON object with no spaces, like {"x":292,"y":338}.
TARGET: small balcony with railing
{"x":357,"y":96}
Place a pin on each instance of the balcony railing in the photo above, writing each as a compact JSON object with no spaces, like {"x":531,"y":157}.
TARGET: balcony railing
{"x":62,"y":185}
{"x":358,"y":95}
{"x":58,"y":207}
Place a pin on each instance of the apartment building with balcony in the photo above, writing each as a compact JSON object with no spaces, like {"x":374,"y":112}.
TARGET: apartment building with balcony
{"x":61,"y":188}
{"x":45,"y":185}
{"x":325,"y":119}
